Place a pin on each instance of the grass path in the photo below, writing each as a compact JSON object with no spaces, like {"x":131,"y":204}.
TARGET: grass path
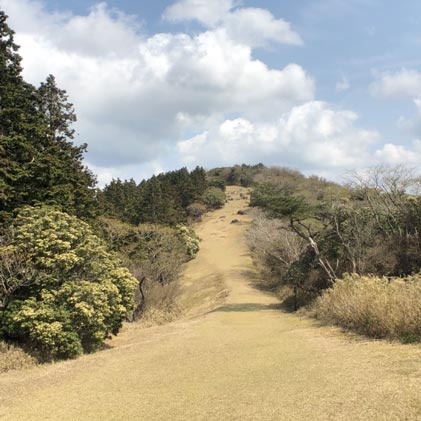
{"x":244,"y":360}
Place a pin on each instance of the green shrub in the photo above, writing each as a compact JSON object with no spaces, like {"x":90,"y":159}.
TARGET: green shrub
{"x":213,"y":198}
{"x":78,"y":294}
{"x":190,"y":240}
{"x":155,"y":255}
{"x":376,"y":307}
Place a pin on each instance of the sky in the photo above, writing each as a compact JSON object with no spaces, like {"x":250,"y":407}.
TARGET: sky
{"x":322,"y":86}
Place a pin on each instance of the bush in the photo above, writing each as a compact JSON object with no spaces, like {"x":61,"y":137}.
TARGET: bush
{"x":14,"y":358}
{"x":190,"y":239}
{"x":374,"y":306}
{"x":154,"y":254}
{"x":78,"y":294}
{"x":213,"y":198}
{"x":195,"y":211}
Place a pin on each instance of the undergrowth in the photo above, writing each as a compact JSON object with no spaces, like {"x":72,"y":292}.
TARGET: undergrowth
{"x":373,"y":306}
{"x":14,"y":358}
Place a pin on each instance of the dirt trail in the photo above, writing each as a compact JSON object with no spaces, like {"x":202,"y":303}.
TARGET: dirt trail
{"x":245,"y":360}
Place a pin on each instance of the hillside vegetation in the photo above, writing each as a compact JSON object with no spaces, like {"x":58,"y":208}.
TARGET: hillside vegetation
{"x":310,"y":233}
{"x":77,"y":261}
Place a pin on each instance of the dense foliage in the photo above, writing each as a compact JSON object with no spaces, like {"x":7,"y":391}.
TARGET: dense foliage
{"x":153,"y":253}
{"x":38,"y":162}
{"x":371,"y":226}
{"x":65,"y":293}
{"x":163,"y":199}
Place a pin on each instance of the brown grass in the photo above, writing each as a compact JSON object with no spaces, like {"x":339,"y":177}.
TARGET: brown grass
{"x":376,"y":307}
{"x":14,"y":358}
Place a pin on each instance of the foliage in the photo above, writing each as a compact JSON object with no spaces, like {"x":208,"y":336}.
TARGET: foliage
{"x":195,"y":211}
{"x":371,"y":226}
{"x":213,"y":198}
{"x":190,"y":239}
{"x":154,"y":254}
{"x":238,"y":175}
{"x":78,"y":293}
{"x":38,"y":162}
{"x":162,"y":199}
{"x":373,"y":306}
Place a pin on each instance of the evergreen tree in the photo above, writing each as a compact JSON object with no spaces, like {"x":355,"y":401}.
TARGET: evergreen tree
{"x":38,"y":162}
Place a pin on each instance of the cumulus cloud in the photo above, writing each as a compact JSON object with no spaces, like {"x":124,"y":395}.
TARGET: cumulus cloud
{"x":252,"y":26}
{"x":392,"y":154}
{"x":404,"y":83}
{"x":135,"y":101}
{"x":208,"y":13}
{"x":151,"y":103}
{"x":312,"y":135}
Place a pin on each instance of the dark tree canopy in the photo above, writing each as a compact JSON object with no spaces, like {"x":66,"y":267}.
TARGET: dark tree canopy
{"x":38,"y":161}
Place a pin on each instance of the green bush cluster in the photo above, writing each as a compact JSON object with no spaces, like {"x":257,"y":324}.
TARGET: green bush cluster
{"x":77,"y":295}
{"x":213,"y":198}
{"x":190,"y":240}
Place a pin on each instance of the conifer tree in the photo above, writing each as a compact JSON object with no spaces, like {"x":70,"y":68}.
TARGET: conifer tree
{"x":38,"y":161}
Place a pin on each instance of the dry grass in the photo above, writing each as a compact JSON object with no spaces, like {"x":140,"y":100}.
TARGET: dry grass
{"x":14,"y":358}
{"x":161,"y":303}
{"x":373,"y":306}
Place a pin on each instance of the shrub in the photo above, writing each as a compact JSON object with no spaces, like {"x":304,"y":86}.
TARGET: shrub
{"x":14,"y":358}
{"x":190,"y":239}
{"x":78,"y":294}
{"x":213,"y":198}
{"x":196,"y":210}
{"x":154,"y":254}
{"x":376,"y":307}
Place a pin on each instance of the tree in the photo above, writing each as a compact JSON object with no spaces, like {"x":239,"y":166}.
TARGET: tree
{"x":38,"y":162}
{"x":20,"y":123}
{"x":62,"y":177}
{"x":77,"y":294}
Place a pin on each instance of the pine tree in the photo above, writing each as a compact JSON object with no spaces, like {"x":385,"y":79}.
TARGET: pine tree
{"x":38,"y":161}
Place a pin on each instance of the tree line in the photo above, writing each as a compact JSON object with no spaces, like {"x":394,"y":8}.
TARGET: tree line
{"x":76,"y":261}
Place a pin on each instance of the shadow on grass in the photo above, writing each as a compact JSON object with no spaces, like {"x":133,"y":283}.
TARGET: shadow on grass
{"x":244,"y":307}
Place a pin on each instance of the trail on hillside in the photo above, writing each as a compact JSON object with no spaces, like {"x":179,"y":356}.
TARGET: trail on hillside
{"x":232,"y":358}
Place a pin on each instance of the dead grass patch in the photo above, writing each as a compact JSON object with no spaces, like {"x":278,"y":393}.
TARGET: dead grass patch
{"x":376,"y":307}
{"x":14,"y":358}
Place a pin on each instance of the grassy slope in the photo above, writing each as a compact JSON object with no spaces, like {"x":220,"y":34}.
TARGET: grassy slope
{"x":243,"y":361}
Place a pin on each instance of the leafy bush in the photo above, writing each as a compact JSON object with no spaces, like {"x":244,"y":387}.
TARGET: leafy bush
{"x":190,"y":240}
{"x":154,"y":254}
{"x":213,"y":198}
{"x":195,"y":211}
{"x":78,"y":293}
{"x":376,"y":307}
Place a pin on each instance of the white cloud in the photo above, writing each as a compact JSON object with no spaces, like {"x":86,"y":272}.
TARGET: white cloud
{"x":312,"y":136}
{"x":134,"y":96}
{"x":140,"y":100}
{"x":252,"y":26}
{"x":391,"y":154}
{"x":206,"y":12}
{"x":404,"y":83}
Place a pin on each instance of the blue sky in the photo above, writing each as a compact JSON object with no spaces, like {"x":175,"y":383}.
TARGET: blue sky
{"x":324,"y":86}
